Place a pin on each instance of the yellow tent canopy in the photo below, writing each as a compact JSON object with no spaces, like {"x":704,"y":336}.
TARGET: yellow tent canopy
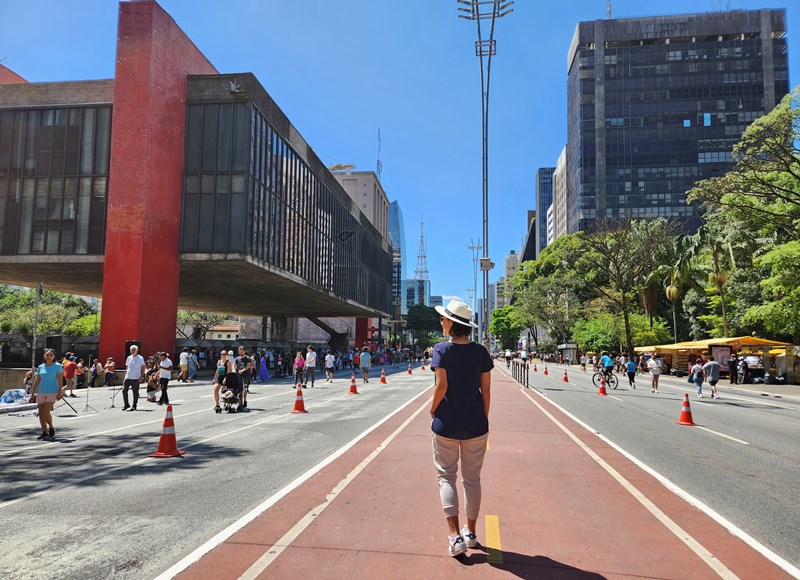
{"x":737,"y":341}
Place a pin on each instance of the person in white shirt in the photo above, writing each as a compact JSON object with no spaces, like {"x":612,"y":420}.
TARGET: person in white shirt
{"x":134,"y":371}
{"x":311,"y":365}
{"x":183,"y":361}
{"x":329,"y":362}
{"x":654,"y":366}
{"x":165,"y":374}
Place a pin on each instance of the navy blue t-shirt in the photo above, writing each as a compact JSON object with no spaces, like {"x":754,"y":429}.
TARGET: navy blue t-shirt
{"x":461,"y":415}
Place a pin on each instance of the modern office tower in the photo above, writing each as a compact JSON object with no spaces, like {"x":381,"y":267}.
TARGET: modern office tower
{"x":551,"y":225}
{"x":437,"y":301}
{"x":560,"y":195}
{"x":656,"y":104}
{"x":544,"y":197}
{"x":528,"y":251}
{"x":399,"y":258}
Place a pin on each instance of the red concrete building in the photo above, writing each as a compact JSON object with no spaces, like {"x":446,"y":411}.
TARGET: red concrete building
{"x":199,"y":177}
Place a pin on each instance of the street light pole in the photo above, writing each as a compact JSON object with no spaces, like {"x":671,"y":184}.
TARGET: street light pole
{"x":39,"y":288}
{"x":490,"y":10}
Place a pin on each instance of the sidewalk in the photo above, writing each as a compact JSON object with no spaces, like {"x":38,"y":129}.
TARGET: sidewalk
{"x":557,"y":503}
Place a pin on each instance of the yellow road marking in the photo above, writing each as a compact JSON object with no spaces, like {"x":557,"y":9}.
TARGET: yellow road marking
{"x":495,"y":550}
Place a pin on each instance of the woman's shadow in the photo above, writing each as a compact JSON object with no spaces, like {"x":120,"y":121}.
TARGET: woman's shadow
{"x":524,"y":566}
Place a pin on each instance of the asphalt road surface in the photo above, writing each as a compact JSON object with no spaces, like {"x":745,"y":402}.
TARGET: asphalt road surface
{"x":93,"y":504}
{"x":742,"y":459}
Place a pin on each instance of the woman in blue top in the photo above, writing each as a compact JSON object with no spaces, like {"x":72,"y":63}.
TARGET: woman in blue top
{"x":224,"y":366}
{"x":460,"y":419}
{"x":46,"y":390}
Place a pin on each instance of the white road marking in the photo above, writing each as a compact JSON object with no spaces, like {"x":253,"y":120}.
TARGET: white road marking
{"x":284,"y":542}
{"x":728,"y":525}
{"x":722,"y":435}
{"x":124,"y":427}
{"x":721,"y":570}
{"x":615,"y":398}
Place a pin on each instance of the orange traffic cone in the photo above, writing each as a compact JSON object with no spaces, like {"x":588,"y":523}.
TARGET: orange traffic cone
{"x":602,"y":389}
{"x":565,"y":379}
{"x":686,"y":412}
{"x":383,"y":376}
{"x":299,"y":406}
{"x":409,"y":369}
{"x":534,"y":368}
{"x":353,"y":389}
{"x":168,"y":444}
{"x":545,"y":370}
{"x":423,"y":365}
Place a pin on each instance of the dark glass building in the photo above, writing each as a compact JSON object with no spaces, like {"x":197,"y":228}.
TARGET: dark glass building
{"x":656,"y":104}
{"x":544,"y":197}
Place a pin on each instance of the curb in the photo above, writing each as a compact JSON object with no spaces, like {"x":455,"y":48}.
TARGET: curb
{"x":13,"y":408}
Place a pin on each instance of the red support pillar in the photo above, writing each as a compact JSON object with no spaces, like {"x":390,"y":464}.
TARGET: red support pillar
{"x":140,"y":274}
{"x":362,"y":324}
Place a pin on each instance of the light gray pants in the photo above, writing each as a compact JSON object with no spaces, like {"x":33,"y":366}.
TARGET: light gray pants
{"x":446,"y":454}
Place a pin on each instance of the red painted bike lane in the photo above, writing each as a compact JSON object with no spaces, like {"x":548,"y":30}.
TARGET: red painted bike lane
{"x":558,"y":502}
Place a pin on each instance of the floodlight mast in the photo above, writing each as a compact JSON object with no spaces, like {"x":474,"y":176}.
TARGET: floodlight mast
{"x":479,"y":10}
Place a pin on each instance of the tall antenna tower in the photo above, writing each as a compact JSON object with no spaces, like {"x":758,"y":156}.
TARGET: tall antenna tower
{"x":380,"y":163}
{"x":421,"y":273}
{"x":608,"y":9}
{"x":422,"y":262}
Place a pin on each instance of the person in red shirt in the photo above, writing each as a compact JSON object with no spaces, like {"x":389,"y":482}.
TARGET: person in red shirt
{"x":70,"y":367}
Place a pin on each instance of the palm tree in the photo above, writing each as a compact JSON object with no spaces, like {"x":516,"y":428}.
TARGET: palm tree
{"x":676,"y":277}
{"x":721,"y":251}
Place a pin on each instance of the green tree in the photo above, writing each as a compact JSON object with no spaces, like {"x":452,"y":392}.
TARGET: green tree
{"x":422,"y":320}
{"x":84,"y":326}
{"x":618,"y":259}
{"x":505,"y":327}
{"x":780,"y":316}
{"x":199,"y":322}
{"x":763,"y":188}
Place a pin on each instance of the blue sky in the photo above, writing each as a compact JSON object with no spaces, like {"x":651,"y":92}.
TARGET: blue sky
{"x":343,"y":69}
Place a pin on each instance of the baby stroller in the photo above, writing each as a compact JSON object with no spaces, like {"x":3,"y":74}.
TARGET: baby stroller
{"x":230,"y":393}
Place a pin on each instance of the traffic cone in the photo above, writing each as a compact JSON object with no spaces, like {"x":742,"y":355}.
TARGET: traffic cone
{"x":409,"y":369}
{"x":545,"y":370}
{"x":353,"y":389}
{"x":565,"y":379}
{"x":299,"y":406}
{"x":534,"y":367}
{"x":383,"y":376}
{"x":602,"y":389}
{"x":423,"y":365}
{"x":168,"y":444}
{"x":686,"y":412}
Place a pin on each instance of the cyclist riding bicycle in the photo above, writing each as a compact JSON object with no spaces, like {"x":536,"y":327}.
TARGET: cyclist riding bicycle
{"x":607,"y":363}
{"x":508,"y":358}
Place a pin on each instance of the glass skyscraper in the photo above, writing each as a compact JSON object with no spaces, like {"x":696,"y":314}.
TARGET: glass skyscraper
{"x":656,"y":104}
{"x":544,"y":197}
{"x":399,"y":259}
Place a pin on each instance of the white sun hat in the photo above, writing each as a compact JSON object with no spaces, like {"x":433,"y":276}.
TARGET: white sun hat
{"x":457,"y":312}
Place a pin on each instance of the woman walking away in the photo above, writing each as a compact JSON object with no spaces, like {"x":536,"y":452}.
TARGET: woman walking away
{"x":46,"y":390}
{"x":697,"y":375}
{"x":263,"y":371}
{"x":460,"y":420}
{"x":630,"y":368}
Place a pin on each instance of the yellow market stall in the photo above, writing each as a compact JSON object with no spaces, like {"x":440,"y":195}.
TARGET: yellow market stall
{"x":780,"y":359}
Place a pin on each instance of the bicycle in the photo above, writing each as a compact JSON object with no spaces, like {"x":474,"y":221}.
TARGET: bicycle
{"x":611,"y":379}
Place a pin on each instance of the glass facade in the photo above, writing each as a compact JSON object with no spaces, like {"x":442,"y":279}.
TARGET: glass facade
{"x":247,"y":191}
{"x":653,"y":110}
{"x":544,"y":197}
{"x":399,"y":259}
{"x":54,"y":180}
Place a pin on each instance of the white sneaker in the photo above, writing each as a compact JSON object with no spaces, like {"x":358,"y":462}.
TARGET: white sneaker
{"x":457,"y":546}
{"x":469,"y":537}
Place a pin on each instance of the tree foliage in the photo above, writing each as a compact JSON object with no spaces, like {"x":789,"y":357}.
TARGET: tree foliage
{"x":199,"y":323}
{"x":505,"y":327}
